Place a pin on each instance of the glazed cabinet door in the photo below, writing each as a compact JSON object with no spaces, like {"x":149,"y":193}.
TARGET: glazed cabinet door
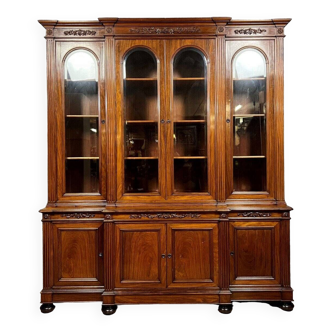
{"x":190,"y":113}
{"x":250,"y":157}
{"x":80,"y":128}
{"x":140,"y":119}
{"x":140,"y":255}
{"x":255,"y":253}
{"x":78,"y":254}
{"x":192,"y":255}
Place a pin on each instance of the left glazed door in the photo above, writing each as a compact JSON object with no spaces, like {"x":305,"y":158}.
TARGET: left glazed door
{"x":81,"y":132}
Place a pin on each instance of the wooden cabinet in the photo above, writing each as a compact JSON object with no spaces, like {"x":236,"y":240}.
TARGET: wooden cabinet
{"x":165,"y":164}
{"x":255,"y":251}
{"x":78,"y":251}
{"x":142,"y":259}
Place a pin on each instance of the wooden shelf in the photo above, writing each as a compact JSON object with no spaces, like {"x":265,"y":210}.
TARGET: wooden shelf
{"x":140,"y":121}
{"x":189,"y":79}
{"x":140,"y":79}
{"x":81,"y":158}
{"x":190,"y":121}
{"x":191,"y":157}
{"x":248,"y":115}
{"x":140,"y":158}
{"x":82,"y":116}
{"x":248,"y":157}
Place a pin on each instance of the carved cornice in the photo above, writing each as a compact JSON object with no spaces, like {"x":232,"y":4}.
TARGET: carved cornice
{"x":250,"y":31}
{"x":165,"y":31}
{"x":77,"y":215}
{"x":80,"y":32}
{"x":254,"y":214}
{"x":164,"y":215}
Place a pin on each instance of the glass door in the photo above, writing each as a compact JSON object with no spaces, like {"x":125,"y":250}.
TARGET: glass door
{"x":188,"y":121}
{"x":81,"y":123}
{"x":140,"y":86}
{"x":190,"y":126}
{"x":250,"y":119}
{"x":140,"y":120}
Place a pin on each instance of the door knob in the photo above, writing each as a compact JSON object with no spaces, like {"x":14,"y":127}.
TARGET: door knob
{"x":100,"y":254}
{"x":232,"y":253}
{"x":169,"y":256}
{"x":163,"y":256}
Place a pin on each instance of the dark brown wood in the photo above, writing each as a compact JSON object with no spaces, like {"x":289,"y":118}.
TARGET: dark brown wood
{"x":171,"y":243}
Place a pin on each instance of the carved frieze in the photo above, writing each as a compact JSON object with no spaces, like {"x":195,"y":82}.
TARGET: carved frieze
{"x":254,"y":214}
{"x":250,"y":31}
{"x":80,"y":32}
{"x":77,"y":215}
{"x":164,"y":215}
{"x":165,"y":30}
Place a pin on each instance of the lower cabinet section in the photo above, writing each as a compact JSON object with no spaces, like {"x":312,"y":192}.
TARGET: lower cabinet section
{"x":255,"y":253}
{"x":78,"y":251}
{"x":187,"y":261}
{"x":145,"y":256}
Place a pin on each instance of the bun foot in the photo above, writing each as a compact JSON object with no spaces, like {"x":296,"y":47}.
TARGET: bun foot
{"x":286,"y":306}
{"x":225,"y":308}
{"x":108,"y":309}
{"x":46,"y":308}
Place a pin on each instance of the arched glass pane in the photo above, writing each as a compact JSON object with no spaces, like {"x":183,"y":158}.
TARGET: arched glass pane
{"x":141,"y":117}
{"x":190,"y":126}
{"x":81,"y":123}
{"x":249,"y":121}
{"x":249,"y":63}
{"x":81,"y":65}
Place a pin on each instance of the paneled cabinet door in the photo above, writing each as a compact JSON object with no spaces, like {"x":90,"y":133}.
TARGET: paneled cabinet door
{"x":192,"y":255}
{"x":140,"y":255}
{"x":255,"y":253}
{"x":78,"y":254}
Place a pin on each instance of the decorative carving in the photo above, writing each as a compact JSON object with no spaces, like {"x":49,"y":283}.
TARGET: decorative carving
{"x":109,"y":30}
{"x":221,"y":29}
{"x":46,"y":216}
{"x":77,"y":215}
{"x":107,"y":216}
{"x":250,"y":31}
{"x":49,"y":32}
{"x":80,"y":32}
{"x":254,"y":214}
{"x":223,"y":215}
{"x":285,"y":214}
{"x":164,"y":215}
{"x":280,"y":31}
{"x":171,"y":31}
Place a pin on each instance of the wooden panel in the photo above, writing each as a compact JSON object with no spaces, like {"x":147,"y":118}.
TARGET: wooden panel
{"x":138,"y":255}
{"x":192,"y":255}
{"x":77,"y":254}
{"x":255,"y":253}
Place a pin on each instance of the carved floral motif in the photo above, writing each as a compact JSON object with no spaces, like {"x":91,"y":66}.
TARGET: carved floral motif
{"x":108,"y":30}
{"x":49,"y":32}
{"x":77,"y":215}
{"x":254,"y":214}
{"x":46,"y":216}
{"x":280,"y":31}
{"x":164,"y":215}
{"x":223,"y":215}
{"x":107,"y":216}
{"x":80,"y":32}
{"x":220,"y":29}
{"x":285,"y":214}
{"x":171,"y":31}
{"x":250,"y":31}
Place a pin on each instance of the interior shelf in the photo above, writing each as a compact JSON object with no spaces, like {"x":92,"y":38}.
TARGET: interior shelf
{"x":189,"y":78}
{"x":190,"y":157}
{"x":81,"y":158}
{"x":248,"y":157}
{"x":140,"y":121}
{"x":250,"y":79}
{"x":248,"y":115}
{"x":190,"y":121}
{"x":140,"y":158}
{"x":140,"y":79}
{"x":82,"y":116}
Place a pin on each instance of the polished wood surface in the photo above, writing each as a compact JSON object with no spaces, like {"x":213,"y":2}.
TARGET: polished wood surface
{"x":166,"y":172}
